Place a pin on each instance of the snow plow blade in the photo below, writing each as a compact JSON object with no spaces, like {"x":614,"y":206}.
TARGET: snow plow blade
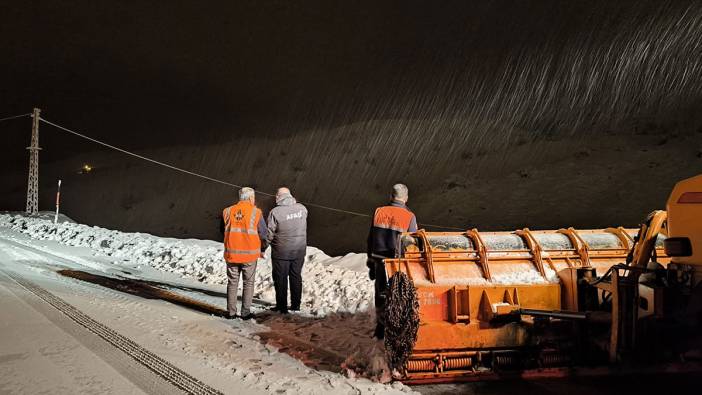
{"x":504,"y":303}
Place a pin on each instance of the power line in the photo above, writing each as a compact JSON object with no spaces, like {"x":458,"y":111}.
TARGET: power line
{"x":15,"y":117}
{"x":211,"y":178}
{"x":146,"y":158}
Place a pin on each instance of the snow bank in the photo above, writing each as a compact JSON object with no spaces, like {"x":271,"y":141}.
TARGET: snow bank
{"x":332,"y":284}
{"x":47,"y":215}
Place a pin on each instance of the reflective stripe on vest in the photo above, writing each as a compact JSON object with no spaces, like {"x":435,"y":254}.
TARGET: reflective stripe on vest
{"x":240,"y":230}
{"x":243,"y":252}
{"x":252,"y":222}
{"x":392,"y":218}
{"x":241,"y":240}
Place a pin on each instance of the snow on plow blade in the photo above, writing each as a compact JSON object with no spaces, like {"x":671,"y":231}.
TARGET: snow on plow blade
{"x":481,"y":293}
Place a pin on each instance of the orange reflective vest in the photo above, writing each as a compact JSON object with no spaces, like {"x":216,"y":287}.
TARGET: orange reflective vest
{"x":241,"y":241}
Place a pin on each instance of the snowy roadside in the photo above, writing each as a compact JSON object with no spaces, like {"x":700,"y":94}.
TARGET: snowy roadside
{"x":333,"y":284}
{"x":296,"y":354}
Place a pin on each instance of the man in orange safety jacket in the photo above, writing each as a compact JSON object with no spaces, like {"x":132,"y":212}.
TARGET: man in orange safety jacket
{"x":244,"y":242}
{"x":388,"y":222}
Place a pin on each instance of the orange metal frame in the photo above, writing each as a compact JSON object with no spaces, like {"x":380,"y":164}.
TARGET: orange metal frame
{"x":462,"y":290}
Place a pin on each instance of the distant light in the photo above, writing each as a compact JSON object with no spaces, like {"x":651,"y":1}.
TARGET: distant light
{"x":86,"y":168}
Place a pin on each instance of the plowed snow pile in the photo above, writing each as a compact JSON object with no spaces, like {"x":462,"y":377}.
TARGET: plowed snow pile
{"x":335,"y":284}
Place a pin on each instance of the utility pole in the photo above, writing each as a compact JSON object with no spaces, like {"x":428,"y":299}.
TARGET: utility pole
{"x":33,"y":179}
{"x":58,"y":201}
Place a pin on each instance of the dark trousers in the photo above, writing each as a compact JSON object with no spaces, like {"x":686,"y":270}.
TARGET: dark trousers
{"x":381,"y":287}
{"x":285,"y":270}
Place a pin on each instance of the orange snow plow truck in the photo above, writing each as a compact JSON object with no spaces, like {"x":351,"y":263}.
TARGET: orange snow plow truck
{"x":559,"y":302}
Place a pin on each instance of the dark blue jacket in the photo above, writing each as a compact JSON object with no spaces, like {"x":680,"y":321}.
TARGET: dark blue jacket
{"x":388,"y":223}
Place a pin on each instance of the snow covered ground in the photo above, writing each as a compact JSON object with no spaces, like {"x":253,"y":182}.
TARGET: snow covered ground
{"x":334,"y":326}
{"x":333,"y":284}
{"x":301,"y":353}
{"x":43,"y":352}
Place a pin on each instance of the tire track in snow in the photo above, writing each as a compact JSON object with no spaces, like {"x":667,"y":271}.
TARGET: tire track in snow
{"x":148,"y":359}
{"x":54,"y":263}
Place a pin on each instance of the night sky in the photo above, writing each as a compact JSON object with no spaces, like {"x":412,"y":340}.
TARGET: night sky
{"x":155,"y":73}
{"x":471,"y":79}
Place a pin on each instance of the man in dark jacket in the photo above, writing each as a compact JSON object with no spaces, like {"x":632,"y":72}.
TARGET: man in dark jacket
{"x":287,"y":234}
{"x":388,"y":223}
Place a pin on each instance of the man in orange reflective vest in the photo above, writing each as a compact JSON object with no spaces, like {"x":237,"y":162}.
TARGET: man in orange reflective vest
{"x":244,"y":242}
{"x":388,"y":223}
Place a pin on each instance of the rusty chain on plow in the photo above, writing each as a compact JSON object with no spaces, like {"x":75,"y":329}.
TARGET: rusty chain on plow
{"x":401,"y":320}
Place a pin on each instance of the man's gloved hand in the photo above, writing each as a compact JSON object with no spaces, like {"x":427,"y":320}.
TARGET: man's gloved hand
{"x":371,"y":269}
